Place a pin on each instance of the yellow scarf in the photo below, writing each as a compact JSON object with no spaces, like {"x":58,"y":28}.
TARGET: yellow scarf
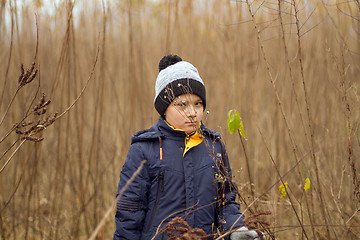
{"x":192,"y":140}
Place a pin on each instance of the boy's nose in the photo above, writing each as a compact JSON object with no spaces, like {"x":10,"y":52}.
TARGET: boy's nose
{"x":191,"y":111}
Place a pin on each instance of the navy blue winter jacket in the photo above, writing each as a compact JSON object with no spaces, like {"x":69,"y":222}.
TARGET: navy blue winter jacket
{"x":177,"y":186}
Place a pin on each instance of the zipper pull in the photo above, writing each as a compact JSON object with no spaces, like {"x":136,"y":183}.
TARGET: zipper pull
{"x":160,"y":145}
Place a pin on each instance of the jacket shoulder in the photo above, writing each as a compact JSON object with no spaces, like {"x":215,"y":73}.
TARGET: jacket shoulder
{"x":150,"y":134}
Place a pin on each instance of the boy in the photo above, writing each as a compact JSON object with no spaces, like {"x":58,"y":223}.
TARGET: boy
{"x":187,"y":172}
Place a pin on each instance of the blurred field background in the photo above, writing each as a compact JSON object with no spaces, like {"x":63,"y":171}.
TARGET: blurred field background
{"x":291,"y":69}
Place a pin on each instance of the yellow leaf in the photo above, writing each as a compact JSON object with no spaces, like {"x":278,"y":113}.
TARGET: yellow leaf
{"x":282,"y":189}
{"x":307,"y":184}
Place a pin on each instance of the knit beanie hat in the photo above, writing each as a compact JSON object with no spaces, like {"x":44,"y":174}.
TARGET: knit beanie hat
{"x":176,"y":77}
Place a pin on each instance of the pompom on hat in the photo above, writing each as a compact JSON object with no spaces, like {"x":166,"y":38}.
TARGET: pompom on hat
{"x":176,"y":77}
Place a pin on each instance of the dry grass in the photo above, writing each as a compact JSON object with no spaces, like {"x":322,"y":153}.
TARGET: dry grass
{"x":291,"y":70}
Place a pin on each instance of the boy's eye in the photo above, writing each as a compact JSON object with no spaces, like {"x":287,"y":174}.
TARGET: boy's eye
{"x":184,"y":104}
{"x":180,"y":104}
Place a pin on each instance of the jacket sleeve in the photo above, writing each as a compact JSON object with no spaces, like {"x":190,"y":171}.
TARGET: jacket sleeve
{"x":131,"y":206}
{"x":231,"y":210}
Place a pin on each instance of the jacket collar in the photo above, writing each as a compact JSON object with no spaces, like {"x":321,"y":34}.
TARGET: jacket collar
{"x":164,"y":130}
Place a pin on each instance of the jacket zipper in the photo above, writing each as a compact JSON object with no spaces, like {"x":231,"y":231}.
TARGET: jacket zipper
{"x":159,"y":190}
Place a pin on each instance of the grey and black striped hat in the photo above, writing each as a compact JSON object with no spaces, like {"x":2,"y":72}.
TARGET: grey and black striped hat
{"x":174,"y":80}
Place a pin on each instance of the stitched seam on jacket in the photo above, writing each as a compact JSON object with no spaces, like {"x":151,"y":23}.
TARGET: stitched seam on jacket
{"x":126,"y":205}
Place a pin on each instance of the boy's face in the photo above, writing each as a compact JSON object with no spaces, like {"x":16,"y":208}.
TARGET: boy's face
{"x":185,"y":112}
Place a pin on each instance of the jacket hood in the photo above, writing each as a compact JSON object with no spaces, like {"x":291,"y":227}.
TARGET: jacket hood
{"x":161,"y":129}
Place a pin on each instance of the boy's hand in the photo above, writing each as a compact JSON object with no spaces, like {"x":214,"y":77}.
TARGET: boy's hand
{"x":243,"y":233}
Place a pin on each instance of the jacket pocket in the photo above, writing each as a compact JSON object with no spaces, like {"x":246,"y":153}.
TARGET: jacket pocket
{"x":157,"y":200}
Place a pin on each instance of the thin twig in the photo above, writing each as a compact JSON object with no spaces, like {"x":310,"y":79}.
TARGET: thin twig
{"x":10,"y":53}
{"x":293,"y":142}
{"x":283,"y":183}
{"x":12,"y":155}
{"x":27,"y":77}
{"x":309,"y":115}
{"x":265,"y":192}
{"x":83,"y":90}
{"x":248,"y":167}
{"x":274,"y":87}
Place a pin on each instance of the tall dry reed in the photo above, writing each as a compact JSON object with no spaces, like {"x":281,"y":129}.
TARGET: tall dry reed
{"x":289,"y":67}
